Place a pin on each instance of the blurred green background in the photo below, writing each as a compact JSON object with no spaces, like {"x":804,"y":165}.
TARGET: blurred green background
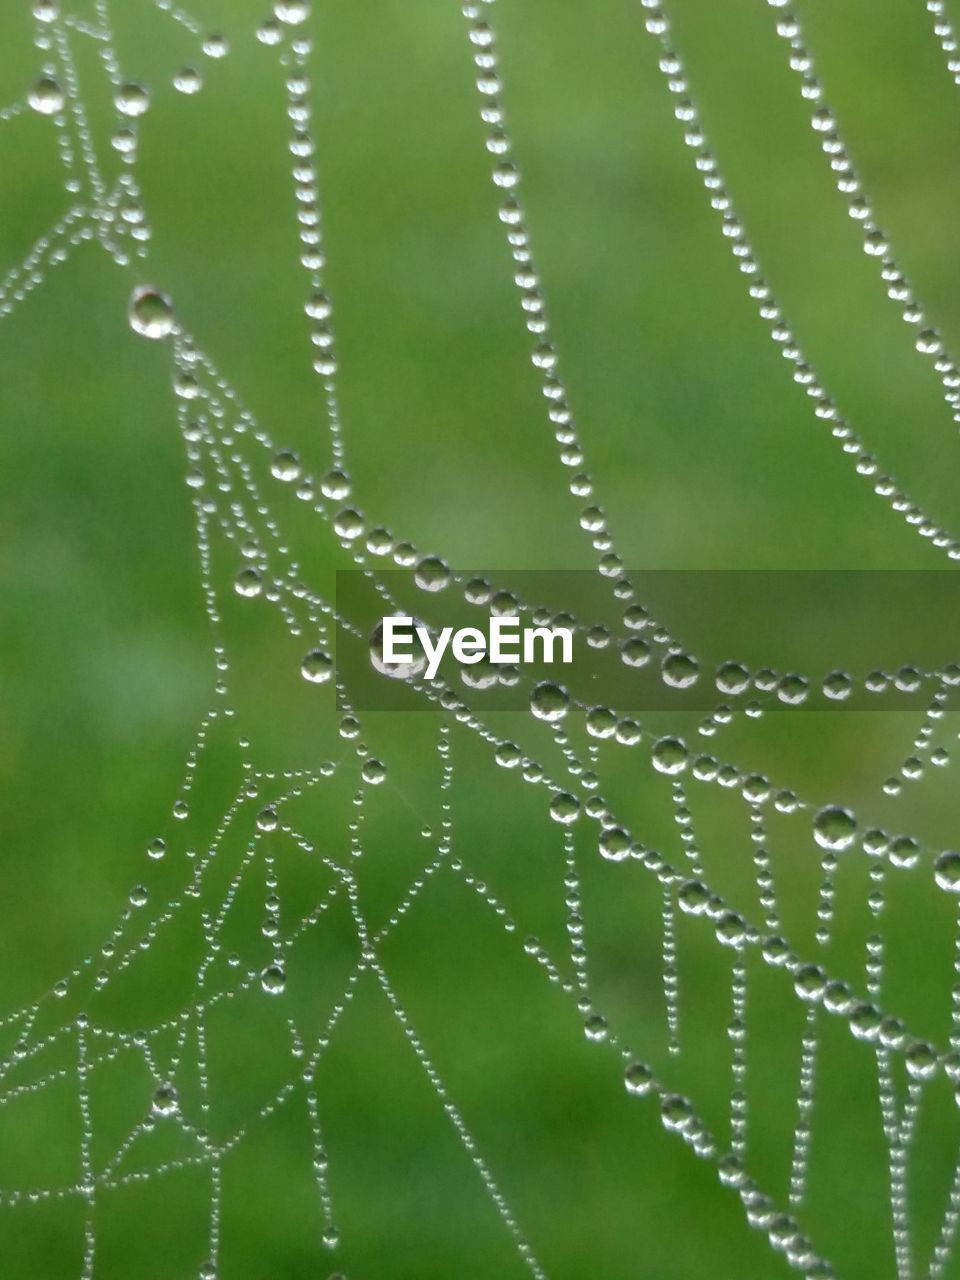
{"x":704,"y":456}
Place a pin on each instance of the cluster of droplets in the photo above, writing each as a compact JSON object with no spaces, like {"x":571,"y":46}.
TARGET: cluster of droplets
{"x":834,"y":828}
{"x":928,"y":340}
{"x":946,"y":34}
{"x":734,"y":231}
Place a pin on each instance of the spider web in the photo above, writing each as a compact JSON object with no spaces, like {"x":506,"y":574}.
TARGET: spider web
{"x":262,"y":906}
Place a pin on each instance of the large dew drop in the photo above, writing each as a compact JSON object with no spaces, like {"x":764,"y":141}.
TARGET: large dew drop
{"x":273,"y":979}
{"x":670,"y":755}
{"x":131,"y":99}
{"x":834,"y":828}
{"x":374,"y":772}
{"x":165,"y":1101}
{"x":549,"y":702}
{"x":564,"y":808}
{"x":317,"y":667}
{"x":151,"y":313}
{"x":680,"y":671}
{"x":46,"y":97}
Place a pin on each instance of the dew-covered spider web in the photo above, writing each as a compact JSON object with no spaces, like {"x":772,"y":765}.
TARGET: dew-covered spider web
{"x":760,"y":973}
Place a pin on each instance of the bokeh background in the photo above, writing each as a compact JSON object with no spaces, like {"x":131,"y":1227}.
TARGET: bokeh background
{"x":705,"y":456}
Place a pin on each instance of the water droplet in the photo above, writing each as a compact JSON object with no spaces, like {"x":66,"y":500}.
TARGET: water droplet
{"x":694,"y":898}
{"x":549,"y":702}
{"x":273,"y":979}
{"x":348,"y":524}
{"x":216,"y":46}
{"x":564,"y":808}
{"x":317,"y":667}
{"x":793,"y":690}
{"x":732,"y":678}
{"x":431,"y":574}
{"x":46,"y":96}
{"x":810,"y":983}
{"x":635,"y":652}
{"x":904,"y":852}
{"x":614,"y":844}
{"x":638,"y":1079}
{"x":680,"y":670}
{"x":834,"y":828}
{"x":151,"y":313}
{"x":670,"y":755}
{"x":131,"y":99}
{"x":838,"y":685}
{"x":268,"y":819}
{"x":676,"y":1112}
{"x":373,"y":772}
{"x":601,"y":722}
{"x":166,"y":1101}
{"x":595,"y":1028}
{"x":188,"y":81}
{"x":248,"y":583}
{"x":922,"y":1060}
{"x":285,"y":466}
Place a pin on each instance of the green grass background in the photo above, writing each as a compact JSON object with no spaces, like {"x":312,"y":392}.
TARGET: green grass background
{"x":704,"y":455}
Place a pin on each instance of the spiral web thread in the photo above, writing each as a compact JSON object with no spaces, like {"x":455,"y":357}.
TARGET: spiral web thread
{"x":231,"y":458}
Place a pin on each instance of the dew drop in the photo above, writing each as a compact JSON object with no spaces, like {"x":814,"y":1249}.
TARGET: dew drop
{"x":638,"y":1079}
{"x":834,"y":828}
{"x":268,"y":819}
{"x":595,"y":1028}
{"x":680,"y":670}
{"x":150,"y":313}
{"x":166,"y":1101}
{"x":635,"y":652}
{"x":131,"y":99}
{"x":837,"y":686}
{"x":317,"y":667}
{"x":614,"y":844}
{"x":549,"y":702}
{"x":46,"y":96}
{"x":248,"y":583}
{"x":732,"y":678}
{"x":670,"y":755}
{"x":564,"y":808}
{"x":273,"y":979}
{"x":348,"y":524}
{"x":188,"y":81}
{"x":216,"y":46}
{"x":431,"y":574}
{"x":285,"y":466}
